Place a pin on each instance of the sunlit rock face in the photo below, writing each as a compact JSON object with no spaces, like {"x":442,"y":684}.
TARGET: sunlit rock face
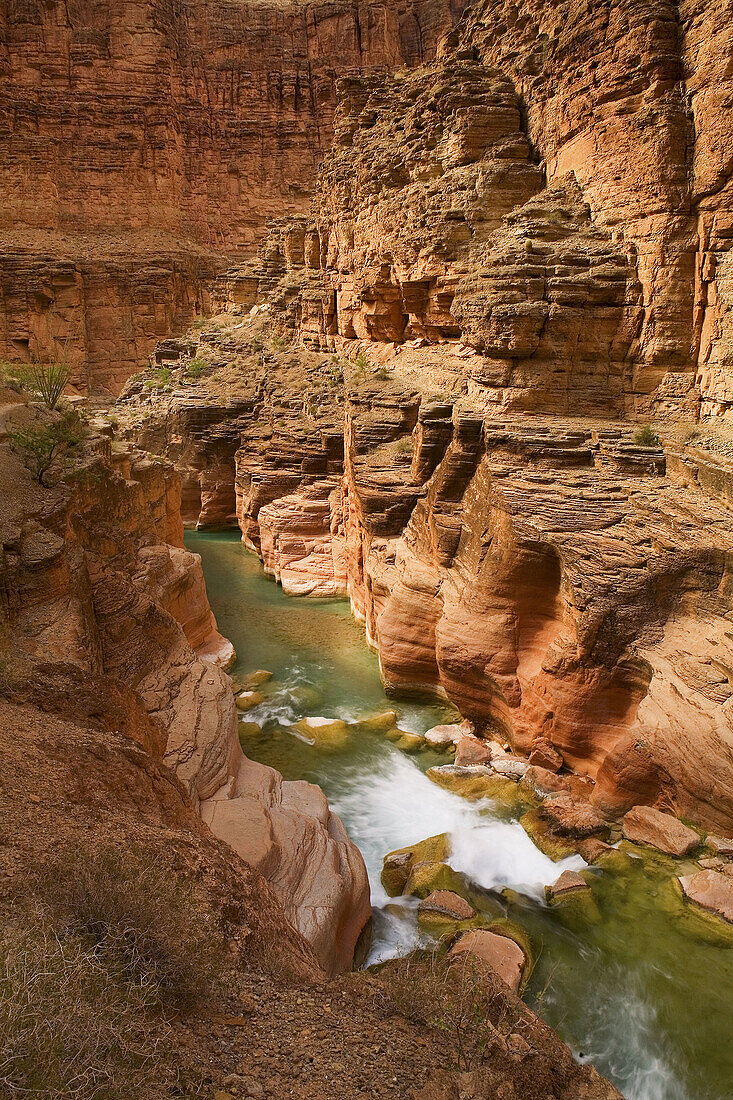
{"x":105,"y":595}
{"x":538,"y":203}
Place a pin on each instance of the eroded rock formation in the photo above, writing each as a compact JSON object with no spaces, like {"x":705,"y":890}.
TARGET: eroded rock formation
{"x":97,"y":585}
{"x":554,"y":580}
{"x":144,"y":143}
{"x":546,"y":206}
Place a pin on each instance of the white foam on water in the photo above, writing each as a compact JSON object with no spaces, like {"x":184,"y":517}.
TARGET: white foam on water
{"x":393,"y":806}
{"x":627,"y":1043}
{"x":499,"y":853}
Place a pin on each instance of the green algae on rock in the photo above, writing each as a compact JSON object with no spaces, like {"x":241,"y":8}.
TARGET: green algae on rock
{"x":475,"y":782}
{"x":323,"y":733}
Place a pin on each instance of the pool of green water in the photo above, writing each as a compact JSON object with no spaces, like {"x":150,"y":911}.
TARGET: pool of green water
{"x":640,"y":992}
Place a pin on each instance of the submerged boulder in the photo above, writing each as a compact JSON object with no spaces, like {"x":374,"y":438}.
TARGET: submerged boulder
{"x":573,"y":898}
{"x":324,"y":733}
{"x":379,"y":723}
{"x":252,"y":680}
{"x":475,"y":781}
{"x":248,"y":699}
{"x":711,"y":890}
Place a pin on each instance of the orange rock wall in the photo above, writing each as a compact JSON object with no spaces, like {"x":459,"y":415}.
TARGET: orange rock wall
{"x":135,"y":132}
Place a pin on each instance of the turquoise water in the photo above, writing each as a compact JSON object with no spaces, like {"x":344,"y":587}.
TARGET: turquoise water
{"x":637,"y":993}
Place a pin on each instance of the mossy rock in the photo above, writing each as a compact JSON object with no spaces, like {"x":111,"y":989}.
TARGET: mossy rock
{"x":322,"y":733}
{"x":393,"y":734}
{"x":379,"y":723}
{"x":576,"y":908}
{"x":657,"y":863}
{"x":537,"y":829}
{"x":615,"y":862}
{"x":427,"y":876}
{"x":249,"y":699}
{"x":398,"y":864}
{"x":410,"y":742}
{"x":691,"y":919}
{"x":256,"y":679}
{"x":475,"y":787}
{"x":248,"y":730}
{"x":440,"y":926}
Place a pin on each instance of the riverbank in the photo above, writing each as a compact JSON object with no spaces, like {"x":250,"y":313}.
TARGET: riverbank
{"x":643,"y":1001}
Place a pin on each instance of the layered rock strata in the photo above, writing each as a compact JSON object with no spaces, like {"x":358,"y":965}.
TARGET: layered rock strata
{"x":552,"y":582}
{"x":144,"y":142}
{"x":97,"y":584}
{"x":549,"y":216}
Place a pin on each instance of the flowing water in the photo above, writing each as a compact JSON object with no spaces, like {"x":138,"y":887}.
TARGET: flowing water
{"x":635,"y":993}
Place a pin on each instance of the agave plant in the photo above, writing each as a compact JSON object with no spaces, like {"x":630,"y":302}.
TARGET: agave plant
{"x":48,"y":380}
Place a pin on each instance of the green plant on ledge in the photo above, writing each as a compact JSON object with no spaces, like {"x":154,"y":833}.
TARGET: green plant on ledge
{"x":645,"y":436}
{"x":160,"y":379}
{"x":44,"y":447}
{"x":47,"y":381}
{"x":196,"y":368}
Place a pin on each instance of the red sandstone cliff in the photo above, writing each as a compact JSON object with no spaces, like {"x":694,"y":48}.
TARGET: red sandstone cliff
{"x":101,"y":601}
{"x":142,"y":143}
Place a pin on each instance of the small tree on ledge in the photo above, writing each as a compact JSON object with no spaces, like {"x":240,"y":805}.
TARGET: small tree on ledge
{"x":43,"y":447}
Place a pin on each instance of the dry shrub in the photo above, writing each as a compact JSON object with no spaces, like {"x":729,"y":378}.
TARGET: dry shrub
{"x":458,"y":995}
{"x":140,"y":921}
{"x":68,"y":1029}
{"x":99,"y":950}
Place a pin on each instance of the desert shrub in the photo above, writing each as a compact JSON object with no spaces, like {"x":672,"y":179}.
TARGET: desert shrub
{"x":645,"y":436}
{"x":403,"y":446}
{"x":196,"y":368}
{"x":68,"y":1029}
{"x":10,"y":373}
{"x":335,"y":373}
{"x":160,"y":378}
{"x":457,"y":995}
{"x":381,"y":374}
{"x":47,"y":381}
{"x":46,"y":446}
{"x":139,"y":921}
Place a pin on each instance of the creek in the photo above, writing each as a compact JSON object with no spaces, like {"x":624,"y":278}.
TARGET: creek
{"x":649,"y":1004}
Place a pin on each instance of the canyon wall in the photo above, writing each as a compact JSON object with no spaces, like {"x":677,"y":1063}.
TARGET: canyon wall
{"x":566,"y":587}
{"x":552,"y":583}
{"x":97,"y":589}
{"x":546,"y":206}
{"x":142,"y":143}
{"x":145,"y":147}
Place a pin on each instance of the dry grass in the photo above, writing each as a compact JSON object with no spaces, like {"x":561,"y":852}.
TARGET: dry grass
{"x":97,"y":955}
{"x":458,"y":996}
{"x":140,"y":920}
{"x":68,"y":1027}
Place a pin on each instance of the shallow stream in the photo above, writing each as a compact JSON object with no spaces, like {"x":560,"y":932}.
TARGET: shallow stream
{"x":650,"y":1005}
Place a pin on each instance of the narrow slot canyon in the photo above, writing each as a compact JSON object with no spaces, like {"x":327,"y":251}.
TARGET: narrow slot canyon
{"x":366,"y":472}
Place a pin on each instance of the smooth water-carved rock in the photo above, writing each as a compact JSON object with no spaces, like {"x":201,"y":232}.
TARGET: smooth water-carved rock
{"x":104,"y":591}
{"x":288,"y":832}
